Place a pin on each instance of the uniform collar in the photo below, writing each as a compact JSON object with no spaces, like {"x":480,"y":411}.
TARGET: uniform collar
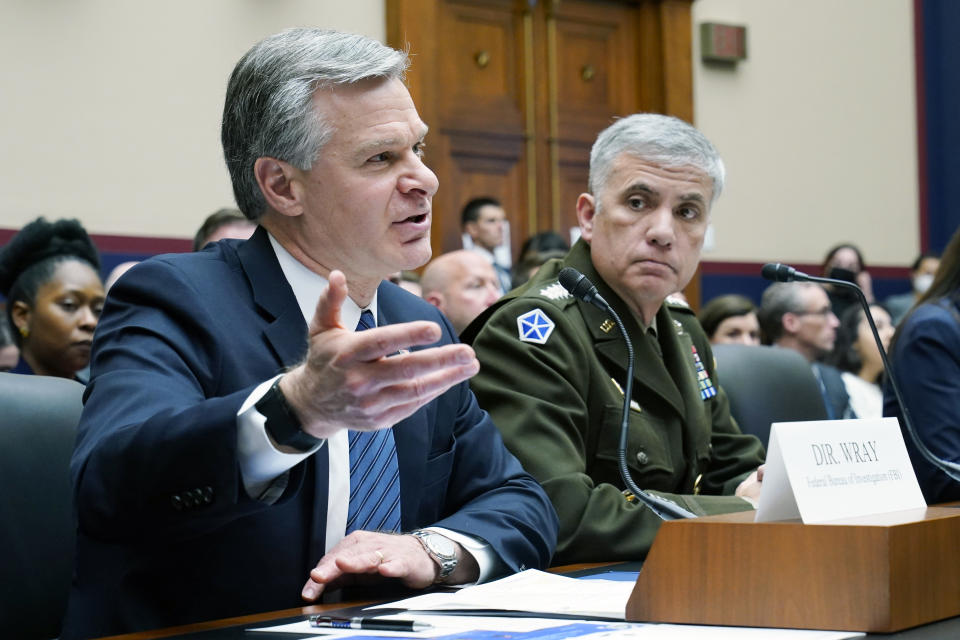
{"x":652,"y":367}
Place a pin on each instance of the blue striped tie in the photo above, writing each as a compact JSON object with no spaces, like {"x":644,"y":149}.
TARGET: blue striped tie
{"x":374,"y":475}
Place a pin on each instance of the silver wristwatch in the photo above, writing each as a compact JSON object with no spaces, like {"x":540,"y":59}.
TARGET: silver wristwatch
{"x":441,"y":549}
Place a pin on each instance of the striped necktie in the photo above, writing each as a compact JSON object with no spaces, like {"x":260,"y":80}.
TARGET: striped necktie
{"x":374,"y":475}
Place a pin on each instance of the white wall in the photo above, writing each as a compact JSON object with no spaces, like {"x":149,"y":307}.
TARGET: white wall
{"x":817,"y":128}
{"x":110,"y":110}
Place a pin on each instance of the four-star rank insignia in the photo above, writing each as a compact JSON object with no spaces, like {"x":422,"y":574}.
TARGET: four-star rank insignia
{"x":556,"y":291}
{"x":707,"y":390}
{"x":534,"y":326}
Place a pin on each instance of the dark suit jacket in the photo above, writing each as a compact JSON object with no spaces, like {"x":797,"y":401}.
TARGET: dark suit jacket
{"x":167,"y":534}
{"x":926,"y":360}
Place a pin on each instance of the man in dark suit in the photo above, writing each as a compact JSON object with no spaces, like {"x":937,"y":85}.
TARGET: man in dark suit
{"x":242,"y":445}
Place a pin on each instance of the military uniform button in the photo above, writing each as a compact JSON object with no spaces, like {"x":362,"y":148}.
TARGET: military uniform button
{"x":642,"y":457}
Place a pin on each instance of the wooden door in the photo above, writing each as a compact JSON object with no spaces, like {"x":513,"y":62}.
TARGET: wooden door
{"x":515,"y":92}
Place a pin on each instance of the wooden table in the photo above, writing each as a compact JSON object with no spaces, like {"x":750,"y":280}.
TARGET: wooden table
{"x":234,"y":628}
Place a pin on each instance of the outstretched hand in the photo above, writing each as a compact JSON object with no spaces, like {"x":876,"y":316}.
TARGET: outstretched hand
{"x":368,"y":380}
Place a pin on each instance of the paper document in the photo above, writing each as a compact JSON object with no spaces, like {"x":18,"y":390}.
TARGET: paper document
{"x":534,"y":592}
{"x":449,"y":627}
{"x":445,"y":625}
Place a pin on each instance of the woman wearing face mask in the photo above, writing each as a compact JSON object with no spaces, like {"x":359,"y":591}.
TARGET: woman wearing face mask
{"x":856,"y":355}
{"x":845,"y":262}
{"x":925,"y":356}
{"x":49,"y":273}
{"x":921,"y":277}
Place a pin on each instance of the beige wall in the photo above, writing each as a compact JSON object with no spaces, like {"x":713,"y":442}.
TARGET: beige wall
{"x":110,"y":109}
{"x":111,"y":113}
{"x":817,"y":127}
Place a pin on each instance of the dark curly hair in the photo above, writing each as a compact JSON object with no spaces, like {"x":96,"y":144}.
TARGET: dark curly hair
{"x":32,"y":256}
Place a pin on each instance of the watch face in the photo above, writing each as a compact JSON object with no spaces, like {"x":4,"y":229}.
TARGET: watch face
{"x":440,"y":545}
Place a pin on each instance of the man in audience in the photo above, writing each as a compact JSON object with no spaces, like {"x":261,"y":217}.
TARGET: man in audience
{"x":553,"y":367}
{"x":235,"y":452}
{"x":461,"y":284}
{"x":799,"y":316}
{"x":223,"y":223}
{"x":484,"y":220}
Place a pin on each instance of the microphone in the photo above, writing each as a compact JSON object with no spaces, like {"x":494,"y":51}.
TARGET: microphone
{"x":780,"y":272}
{"x":581,"y":288}
{"x":784,"y":273}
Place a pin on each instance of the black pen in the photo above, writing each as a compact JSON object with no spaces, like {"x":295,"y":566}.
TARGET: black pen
{"x":370,"y":624}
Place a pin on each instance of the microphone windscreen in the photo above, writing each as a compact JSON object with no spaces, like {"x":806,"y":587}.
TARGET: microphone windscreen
{"x":778,"y":272}
{"x":769,"y":271}
{"x":572,"y":280}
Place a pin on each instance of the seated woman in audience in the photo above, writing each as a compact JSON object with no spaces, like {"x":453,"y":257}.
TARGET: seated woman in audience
{"x":922,"y":272}
{"x":845,"y":262}
{"x":49,"y":273}
{"x":731,"y":319}
{"x":856,"y":355}
{"x":925,"y":357}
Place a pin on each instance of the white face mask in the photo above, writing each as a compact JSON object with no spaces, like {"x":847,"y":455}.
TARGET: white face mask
{"x":922,"y":282}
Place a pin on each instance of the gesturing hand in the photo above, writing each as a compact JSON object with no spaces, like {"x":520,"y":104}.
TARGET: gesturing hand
{"x":361,"y":380}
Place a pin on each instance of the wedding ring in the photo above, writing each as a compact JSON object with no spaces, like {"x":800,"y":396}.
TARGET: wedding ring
{"x":379,"y":556}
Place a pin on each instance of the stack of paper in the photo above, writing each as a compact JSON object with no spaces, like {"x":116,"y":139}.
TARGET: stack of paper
{"x":533,"y":592}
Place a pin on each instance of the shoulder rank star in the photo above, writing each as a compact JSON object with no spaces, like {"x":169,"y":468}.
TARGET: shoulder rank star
{"x":555,"y":291}
{"x":707,"y":390}
{"x":534,"y":326}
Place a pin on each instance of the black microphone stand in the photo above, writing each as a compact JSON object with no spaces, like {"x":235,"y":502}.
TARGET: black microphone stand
{"x":581,"y":288}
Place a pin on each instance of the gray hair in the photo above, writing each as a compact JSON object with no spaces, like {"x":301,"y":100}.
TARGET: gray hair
{"x":269,"y":105}
{"x":663,"y":140}
{"x":779,"y":299}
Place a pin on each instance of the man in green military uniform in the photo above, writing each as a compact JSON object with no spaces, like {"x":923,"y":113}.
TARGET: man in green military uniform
{"x":552,"y":367}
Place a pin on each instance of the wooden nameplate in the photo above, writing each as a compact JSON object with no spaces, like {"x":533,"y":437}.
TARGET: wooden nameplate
{"x":879,"y":573}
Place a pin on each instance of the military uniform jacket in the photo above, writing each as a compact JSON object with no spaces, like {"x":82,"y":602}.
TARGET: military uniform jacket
{"x":551,"y":374}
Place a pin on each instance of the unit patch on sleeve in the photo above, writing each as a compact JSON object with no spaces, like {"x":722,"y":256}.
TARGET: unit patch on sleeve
{"x":534,"y":326}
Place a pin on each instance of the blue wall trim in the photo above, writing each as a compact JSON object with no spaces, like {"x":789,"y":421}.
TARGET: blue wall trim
{"x":939,"y":89}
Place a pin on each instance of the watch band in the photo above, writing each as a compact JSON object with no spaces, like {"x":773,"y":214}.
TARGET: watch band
{"x":282,"y":424}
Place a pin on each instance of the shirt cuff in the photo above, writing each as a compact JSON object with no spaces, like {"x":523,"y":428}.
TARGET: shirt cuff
{"x":488,"y":560}
{"x":263,"y":467}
